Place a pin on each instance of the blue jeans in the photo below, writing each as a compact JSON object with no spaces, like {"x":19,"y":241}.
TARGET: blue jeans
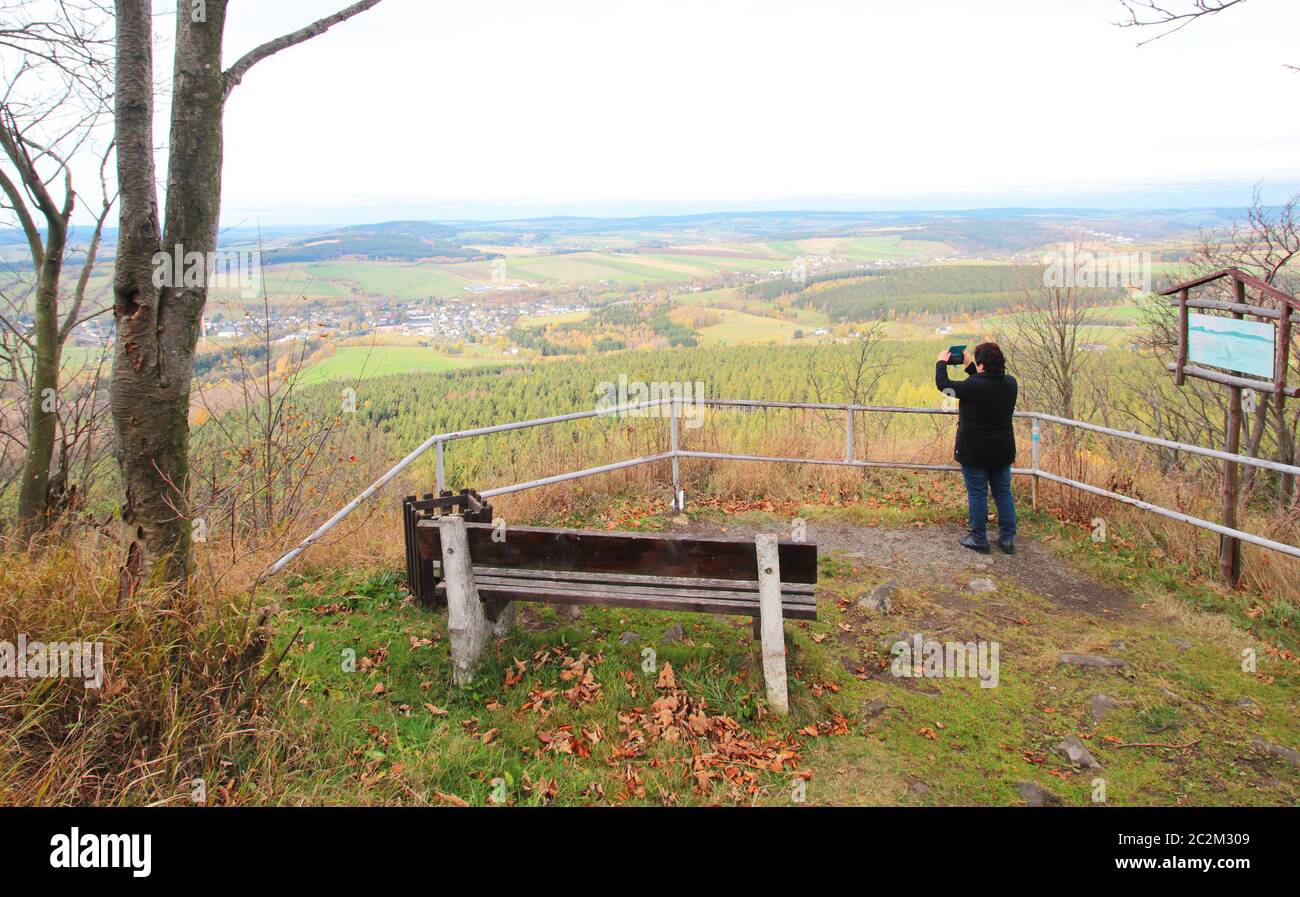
{"x":979,"y":481}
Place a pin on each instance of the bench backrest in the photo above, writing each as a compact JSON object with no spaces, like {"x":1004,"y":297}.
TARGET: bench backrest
{"x":642,"y":554}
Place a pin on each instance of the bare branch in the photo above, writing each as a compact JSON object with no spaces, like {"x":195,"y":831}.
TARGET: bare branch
{"x":1147,"y":13}
{"x":236,"y":72}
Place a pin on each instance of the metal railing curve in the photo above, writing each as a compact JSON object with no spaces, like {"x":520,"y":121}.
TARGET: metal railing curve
{"x":439,"y":442}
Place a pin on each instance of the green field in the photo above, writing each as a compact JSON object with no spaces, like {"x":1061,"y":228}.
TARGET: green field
{"x":398,"y":280}
{"x":594,"y":267}
{"x":568,"y":317}
{"x":737,"y":327}
{"x":363,"y":362}
{"x":891,"y":247}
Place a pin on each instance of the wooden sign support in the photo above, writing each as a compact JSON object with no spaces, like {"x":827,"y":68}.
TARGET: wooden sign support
{"x":1283,"y":312}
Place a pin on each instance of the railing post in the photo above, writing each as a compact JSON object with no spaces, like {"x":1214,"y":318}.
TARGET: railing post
{"x":679,"y":497}
{"x":438,"y":466}
{"x":1036,"y":439}
{"x":848,"y":443}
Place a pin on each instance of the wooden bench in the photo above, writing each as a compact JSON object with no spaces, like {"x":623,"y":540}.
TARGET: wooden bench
{"x":479,"y":569}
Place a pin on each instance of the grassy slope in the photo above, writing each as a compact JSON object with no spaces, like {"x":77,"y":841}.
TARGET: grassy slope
{"x":396,"y":731}
{"x":738,"y":327}
{"x":353,"y":362}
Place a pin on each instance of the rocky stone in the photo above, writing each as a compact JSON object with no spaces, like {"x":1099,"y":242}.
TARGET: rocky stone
{"x":916,"y":786}
{"x":1099,"y":705}
{"x":888,"y":641}
{"x":1036,"y":795}
{"x":1073,"y":750}
{"x":875,"y":707}
{"x":629,"y":637}
{"x":1181,"y":643}
{"x":673,"y":634}
{"x":1276,"y":750}
{"x":879,"y":598}
{"x":1119,"y":645}
{"x":982,"y":584}
{"x":1092,"y":660}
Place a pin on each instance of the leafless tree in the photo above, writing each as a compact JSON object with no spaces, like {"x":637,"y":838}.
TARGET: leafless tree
{"x":1167,"y":18}
{"x":53,"y":100}
{"x":1265,"y":243}
{"x":271,"y":453}
{"x":158,"y":326}
{"x":848,"y":370}
{"x":1047,"y":334}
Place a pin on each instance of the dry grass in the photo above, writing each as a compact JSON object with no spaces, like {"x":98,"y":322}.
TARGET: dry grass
{"x":190,"y":693}
{"x":179,"y":697}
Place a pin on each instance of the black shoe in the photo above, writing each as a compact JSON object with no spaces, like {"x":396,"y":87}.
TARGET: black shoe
{"x":1007,"y":547}
{"x":969,"y":541}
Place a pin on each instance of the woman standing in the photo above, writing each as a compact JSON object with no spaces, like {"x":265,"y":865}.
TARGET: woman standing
{"x":986,"y":441}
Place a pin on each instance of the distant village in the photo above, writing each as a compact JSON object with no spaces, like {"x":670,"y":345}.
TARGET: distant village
{"x":478,"y":315}
{"x":441,"y":320}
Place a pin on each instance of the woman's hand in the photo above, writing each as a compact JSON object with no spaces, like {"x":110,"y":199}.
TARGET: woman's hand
{"x":943,"y":356}
{"x":969,"y":356}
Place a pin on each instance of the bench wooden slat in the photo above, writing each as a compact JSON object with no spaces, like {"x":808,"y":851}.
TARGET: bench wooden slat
{"x":600,"y":588}
{"x":560,"y":593}
{"x":580,"y":551}
{"x":799,"y":591}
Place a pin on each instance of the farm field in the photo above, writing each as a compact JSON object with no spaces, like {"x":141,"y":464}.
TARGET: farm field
{"x":398,"y":280}
{"x":738,"y":327}
{"x":595,"y":267}
{"x":870,"y":248}
{"x":567,"y":317}
{"x":365,"y":362}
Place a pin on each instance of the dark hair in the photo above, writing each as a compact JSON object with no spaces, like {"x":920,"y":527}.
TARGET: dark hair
{"x":990,"y":355}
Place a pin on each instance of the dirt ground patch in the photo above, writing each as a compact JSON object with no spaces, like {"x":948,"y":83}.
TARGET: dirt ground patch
{"x":920,"y":555}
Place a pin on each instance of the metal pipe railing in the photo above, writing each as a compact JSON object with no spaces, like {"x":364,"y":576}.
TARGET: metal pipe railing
{"x":439,"y":440}
{"x":675,"y":453}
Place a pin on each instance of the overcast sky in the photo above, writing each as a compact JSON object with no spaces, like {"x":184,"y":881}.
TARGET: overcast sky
{"x":432,"y":108}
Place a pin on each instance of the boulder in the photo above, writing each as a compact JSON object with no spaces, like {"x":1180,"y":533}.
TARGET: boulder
{"x":1100,"y":705}
{"x":1073,"y":750}
{"x":879,"y":598}
{"x":1036,"y":795}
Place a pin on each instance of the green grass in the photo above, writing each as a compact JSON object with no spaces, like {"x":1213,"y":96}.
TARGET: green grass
{"x":398,"y":280}
{"x":738,"y":327}
{"x":357,"y":362}
{"x":393,"y":729}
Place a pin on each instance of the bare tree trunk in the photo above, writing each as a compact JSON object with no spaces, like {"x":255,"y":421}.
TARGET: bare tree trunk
{"x":158,"y":324}
{"x":33,"y":491}
{"x":61,"y":48}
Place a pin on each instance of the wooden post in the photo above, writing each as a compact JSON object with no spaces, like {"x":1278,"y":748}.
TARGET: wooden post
{"x":674,"y":440}
{"x":1036,"y":439}
{"x":467,"y":623}
{"x":1179,"y":376}
{"x":1230,"y":548}
{"x":771,"y":623}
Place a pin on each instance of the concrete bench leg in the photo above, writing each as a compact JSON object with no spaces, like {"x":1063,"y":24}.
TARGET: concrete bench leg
{"x":467,"y":624}
{"x":771,"y":624}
